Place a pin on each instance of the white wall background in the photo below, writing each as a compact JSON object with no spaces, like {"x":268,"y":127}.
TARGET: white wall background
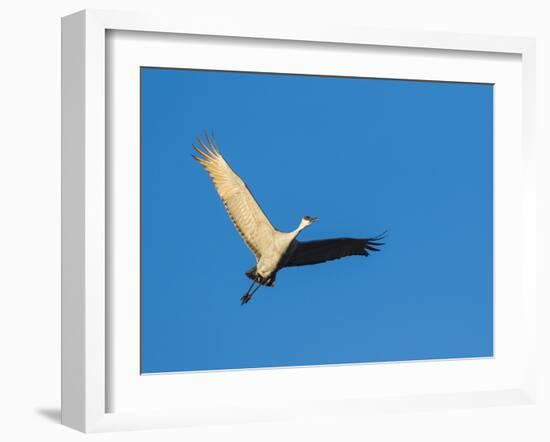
{"x":30,"y":216}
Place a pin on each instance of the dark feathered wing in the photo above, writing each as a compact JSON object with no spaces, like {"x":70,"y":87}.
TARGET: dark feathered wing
{"x":316,"y":252}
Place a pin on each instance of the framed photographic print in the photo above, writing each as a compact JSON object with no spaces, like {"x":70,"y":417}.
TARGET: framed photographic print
{"x":267,"y":223}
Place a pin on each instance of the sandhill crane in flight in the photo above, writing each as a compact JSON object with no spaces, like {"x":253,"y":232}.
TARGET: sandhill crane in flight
{"x":272,"y":248}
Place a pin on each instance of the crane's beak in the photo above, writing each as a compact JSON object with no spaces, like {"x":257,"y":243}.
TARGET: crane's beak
{"x":313,"y":219}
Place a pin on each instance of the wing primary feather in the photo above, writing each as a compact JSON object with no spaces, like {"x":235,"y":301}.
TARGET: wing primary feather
{"x":200,"y":152}
{"x":207,"y":138}
{"x":211,"y":143}
{"x":202,"y":144}
{"x":214,"y":142}
{"x":207,"y":152}
{"x":200,"y":160}
{"x":379,"y":237}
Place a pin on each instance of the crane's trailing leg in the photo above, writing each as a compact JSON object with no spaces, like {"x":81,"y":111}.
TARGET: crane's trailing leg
{"x":256,"y":278}
{"x":247,"y":296}
{"x":249,"y":293}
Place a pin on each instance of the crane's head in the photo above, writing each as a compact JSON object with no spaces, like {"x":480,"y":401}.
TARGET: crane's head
{"x":307,"y":221}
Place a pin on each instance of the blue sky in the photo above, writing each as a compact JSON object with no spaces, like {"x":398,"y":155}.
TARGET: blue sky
{"x":364,"y":155}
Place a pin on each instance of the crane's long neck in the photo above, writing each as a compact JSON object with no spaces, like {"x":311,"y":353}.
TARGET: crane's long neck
{"x":302,"y":226}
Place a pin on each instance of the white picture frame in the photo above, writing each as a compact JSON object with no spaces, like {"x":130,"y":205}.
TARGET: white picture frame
{"x":86,"y":202}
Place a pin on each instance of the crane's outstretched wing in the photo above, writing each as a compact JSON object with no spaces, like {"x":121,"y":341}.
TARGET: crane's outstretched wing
{"x":247,"y":216}
{"x":315,"y":252}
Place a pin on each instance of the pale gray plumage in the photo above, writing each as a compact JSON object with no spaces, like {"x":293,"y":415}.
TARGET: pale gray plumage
{"x":272,"y":248}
